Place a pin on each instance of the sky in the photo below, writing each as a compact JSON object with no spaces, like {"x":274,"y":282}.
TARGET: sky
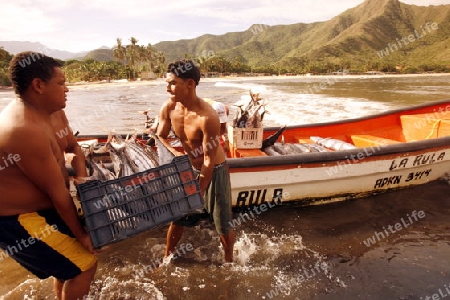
{"x":83,"y":25}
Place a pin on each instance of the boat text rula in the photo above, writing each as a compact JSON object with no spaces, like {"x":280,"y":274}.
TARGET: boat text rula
{"x":197,"y":125}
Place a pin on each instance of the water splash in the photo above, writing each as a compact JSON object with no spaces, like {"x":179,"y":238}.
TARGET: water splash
{"x":112,"y":287}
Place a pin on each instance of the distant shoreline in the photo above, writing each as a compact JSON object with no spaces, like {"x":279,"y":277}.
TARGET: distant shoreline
{"x":159,"y":81}
{"x":282,"y":77}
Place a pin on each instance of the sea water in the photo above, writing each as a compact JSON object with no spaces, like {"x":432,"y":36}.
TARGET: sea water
{"x":316,"y":252}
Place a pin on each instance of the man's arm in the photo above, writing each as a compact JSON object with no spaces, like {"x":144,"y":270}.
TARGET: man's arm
{"x":224,"y":134}
{"x":39,"y":164}
{"x":210,"y":132}
{"x":78,"y":161}
{"x":164,"y":127}
{"x":224,"y":131}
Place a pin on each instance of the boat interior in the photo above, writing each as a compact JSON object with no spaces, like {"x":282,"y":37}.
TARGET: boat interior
{"x":394,"y":127}
{"x":418,"y":123}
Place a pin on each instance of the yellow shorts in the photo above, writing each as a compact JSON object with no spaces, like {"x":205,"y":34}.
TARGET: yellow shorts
{"x":43,"y":244}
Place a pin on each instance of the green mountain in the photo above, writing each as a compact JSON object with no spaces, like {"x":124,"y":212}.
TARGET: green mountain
{"x":373,"y":34}
{"x":102,"y":54}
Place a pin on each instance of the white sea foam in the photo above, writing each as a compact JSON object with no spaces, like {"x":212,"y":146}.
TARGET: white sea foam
{"x":259,"y":249}
{"x":304,"y":109}
{"x":256,"y":88}
{"x":113,"y":288}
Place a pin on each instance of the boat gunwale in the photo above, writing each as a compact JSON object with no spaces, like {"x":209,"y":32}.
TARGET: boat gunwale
{"x":396,"y":111}
{"x":307,"y":158}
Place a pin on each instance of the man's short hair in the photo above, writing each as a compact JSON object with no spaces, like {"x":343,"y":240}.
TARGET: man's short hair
{"x":26,"y":66}
{"x":186,"y":69}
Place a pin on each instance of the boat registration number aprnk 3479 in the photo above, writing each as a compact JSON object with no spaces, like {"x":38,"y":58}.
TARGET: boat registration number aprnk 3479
{"x":397,"y":179}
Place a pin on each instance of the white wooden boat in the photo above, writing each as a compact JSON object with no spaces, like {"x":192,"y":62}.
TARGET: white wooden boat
{"x":392,"y":150}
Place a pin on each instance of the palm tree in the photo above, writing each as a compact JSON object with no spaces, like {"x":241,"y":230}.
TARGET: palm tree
{"x":119,"y":51}
{"x":132,"y":53}
{"x":142,"y":58}
{"x":150,"y":56}
{"x":160,"y":63}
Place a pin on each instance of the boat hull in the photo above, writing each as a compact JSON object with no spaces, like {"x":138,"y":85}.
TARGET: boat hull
{"x":337,"y":180}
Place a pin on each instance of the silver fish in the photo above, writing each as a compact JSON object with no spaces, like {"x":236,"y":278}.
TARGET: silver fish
{"x":291,"y":149}
{"x":279,"y":147}
{"x":164,"y":155}
{"x":120,"y":219}
{"x":99,"y":172}
{"x":237,"y":116}
{"x":254,"y":120}
{"x":271,"y":151}
{"x":122,"y":165}
{"x":302,"y":148}
{"x":152,"y":154}
{"x":129,"y":157}
{"x":242,"y":119}
{"x":250,"y":116}
{"x":139,"y":157}
{"x":331,"y":143}
{"x":316,"y":148}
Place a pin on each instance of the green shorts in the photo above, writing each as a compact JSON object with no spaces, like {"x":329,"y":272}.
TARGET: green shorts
{"x":217,"y":202}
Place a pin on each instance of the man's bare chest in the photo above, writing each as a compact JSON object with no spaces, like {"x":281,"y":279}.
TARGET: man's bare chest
{"x":186,"y":127}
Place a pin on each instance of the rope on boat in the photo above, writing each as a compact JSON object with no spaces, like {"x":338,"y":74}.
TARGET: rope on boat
{"x":433,"y":128}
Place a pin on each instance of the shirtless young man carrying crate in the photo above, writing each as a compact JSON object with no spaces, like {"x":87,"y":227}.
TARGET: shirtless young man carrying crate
{"x":197,"y":125}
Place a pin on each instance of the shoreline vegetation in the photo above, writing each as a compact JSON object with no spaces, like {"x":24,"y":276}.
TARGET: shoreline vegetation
{"x":251,"y":78}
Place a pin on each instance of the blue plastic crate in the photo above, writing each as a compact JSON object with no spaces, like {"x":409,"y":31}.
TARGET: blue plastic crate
{"x":118,"y":209}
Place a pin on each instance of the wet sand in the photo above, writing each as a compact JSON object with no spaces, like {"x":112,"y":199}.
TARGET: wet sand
{"x":408,"y":264}
{"x":290,"y":252}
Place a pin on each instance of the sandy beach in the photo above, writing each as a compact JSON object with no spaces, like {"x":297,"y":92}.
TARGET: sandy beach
{"x":158,"y":81}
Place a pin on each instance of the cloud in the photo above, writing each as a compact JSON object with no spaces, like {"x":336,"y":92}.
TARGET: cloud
{"x":271,"y":12}
{"x":429,"y":2}
{"x":141,"y":8}
{"x":17,"y":22}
